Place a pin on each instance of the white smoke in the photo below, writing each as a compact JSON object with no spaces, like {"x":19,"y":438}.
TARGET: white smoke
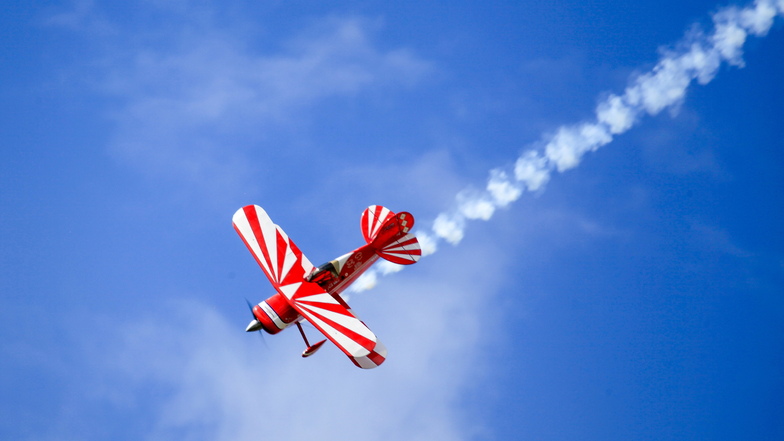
{"x":698,"y":56}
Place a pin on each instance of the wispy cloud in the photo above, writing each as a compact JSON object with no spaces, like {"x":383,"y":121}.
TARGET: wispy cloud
{"x":697,"y":57}
{"x":216,"y":382}
{"x":193,"y":99}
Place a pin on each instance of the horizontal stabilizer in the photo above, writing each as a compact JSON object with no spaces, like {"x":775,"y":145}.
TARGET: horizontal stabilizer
{"x":389,"y":234}
{"x":403,"y":251}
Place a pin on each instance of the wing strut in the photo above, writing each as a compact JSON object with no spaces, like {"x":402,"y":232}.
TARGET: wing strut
{"x":310,"y":350}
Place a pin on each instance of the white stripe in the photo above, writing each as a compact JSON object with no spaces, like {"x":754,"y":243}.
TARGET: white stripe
{"x":339,"y":338}
{"x":405,"y":256}
{"x":290,"y":290}
{"x":321,"y":297}
{"x":268,"y":232}
{"x":350,"y":322}
{"x":369,"y":222}
{"x":365,"y":362}
{"x":272,"y":315}
{"x":243,"y":225}
{"x":288,"y":261}
{"x":375,"y":222}
{"x":402,"y":249}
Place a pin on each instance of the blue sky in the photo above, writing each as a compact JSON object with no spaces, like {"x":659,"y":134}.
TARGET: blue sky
{"x":599,"y":186}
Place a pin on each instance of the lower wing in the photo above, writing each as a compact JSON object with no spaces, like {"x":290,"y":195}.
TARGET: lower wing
{"x":333,"y":318}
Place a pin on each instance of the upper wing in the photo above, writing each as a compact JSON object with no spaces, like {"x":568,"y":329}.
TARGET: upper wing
{"x":335,"y":320}
{"x":276,"y":254}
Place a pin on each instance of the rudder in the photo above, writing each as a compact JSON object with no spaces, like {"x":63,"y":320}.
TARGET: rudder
{"x":389,"y":234}
{"x":373,"y":218}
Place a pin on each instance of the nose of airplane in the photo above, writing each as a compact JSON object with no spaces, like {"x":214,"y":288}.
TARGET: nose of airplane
{"x":254,"y":325}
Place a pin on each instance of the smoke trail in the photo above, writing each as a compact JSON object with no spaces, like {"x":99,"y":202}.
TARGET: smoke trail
{"x":697,"y":56}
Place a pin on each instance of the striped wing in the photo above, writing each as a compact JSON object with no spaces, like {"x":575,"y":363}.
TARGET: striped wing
{"x":276,"y":254}
{"x":373,"y":218}
{"x":336,"y":321}
{"x":403,"y":251}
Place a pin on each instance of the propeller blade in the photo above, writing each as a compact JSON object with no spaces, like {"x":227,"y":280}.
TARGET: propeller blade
{"x":255,"y":325}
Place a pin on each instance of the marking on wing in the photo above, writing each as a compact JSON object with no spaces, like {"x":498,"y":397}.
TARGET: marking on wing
{"x":330,"y":309}
{"x":346,"y":324}
{"x":332,"y":318}
{"x":277,"y":255}
{"x":263,"y":232}
{"x":245,"y":226}
{"x":341,"y":337}
{"x":290,"y":290}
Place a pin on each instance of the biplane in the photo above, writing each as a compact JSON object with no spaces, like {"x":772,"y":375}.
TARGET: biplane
{"x":308,"y":292}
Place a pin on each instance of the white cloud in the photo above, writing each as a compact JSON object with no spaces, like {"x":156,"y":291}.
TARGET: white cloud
{"x":616,"y":114}
{"x":81,"y":17}
{"x":192,"y":99}
{"x":449,"y":227}
{"x":759,"y":19}
{"x":365,"y":282}
{"x":217,"y":382}
{"x":502,"y":189}
{"x":428,"y":243}
{"x":570,"y":143}
{"x":532,"y":169}
{"x":729,"y":37}
{"x":386,"y":267}
{"x":665,"y":86}
{"x":475,"y":205}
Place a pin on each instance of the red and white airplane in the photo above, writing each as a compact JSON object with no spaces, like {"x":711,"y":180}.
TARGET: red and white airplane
{"x":313,"y":293}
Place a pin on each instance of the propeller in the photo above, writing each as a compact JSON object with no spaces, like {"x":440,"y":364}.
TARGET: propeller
{"x":255,"y":325}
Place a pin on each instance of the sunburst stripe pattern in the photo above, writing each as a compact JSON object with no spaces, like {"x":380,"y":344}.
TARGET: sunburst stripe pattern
{"x":372,"y":219}
{"x":403,"y":251}
{"x":334,"y":320}
{"x":275,"y":253}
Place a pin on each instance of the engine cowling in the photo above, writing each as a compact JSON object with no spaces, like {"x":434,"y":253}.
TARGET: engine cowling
{"x":275,"y":314}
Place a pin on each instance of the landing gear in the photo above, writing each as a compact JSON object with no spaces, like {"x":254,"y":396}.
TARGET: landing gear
{"x":310,"y":350}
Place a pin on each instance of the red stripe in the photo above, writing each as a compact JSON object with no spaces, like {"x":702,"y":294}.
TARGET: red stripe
{"x":376,"y":358}
{"x":410,"y":241}
{"x":331,"y":307}
{"x":404,"y":256}
{"x":402,"y":250}
{"x":247,"y":244}
{"x":365,"y":227}
{"x":281,"y":250}
{"x":399,"y":260}
{"x":253,"y":221}
{"x":357,"y":338}
{"x":296,"y":272}
{"x":376,"y":215}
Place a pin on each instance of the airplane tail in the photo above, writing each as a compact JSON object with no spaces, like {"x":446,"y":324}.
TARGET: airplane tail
{"x":388,"y":233}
